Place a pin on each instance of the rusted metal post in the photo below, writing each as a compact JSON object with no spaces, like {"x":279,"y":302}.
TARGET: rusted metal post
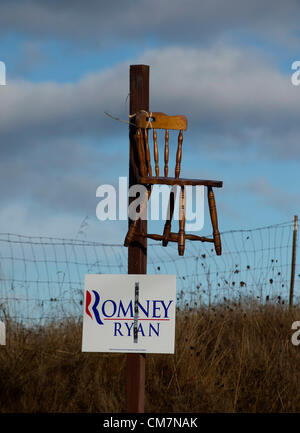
{"x":137,"y":251}
{"x":292,"y":282}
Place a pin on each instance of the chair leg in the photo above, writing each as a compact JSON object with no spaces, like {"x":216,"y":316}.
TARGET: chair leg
{"x":181,"y":234}
{"x":131,"y":232}
{"x":167,"y":227}
{"x":214,"y":220}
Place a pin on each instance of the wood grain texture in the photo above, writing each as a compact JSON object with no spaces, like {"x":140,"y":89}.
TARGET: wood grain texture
{"x":173,"y":237}
{"x":155,"y":152}
{"x":160,"y":121}
{"x":137,"y":251}
{"x":156,"y":120}
{"x":178,"y":154}
{"x":181,"y":233}
{"x":148,"y":158}
{"x":179,"y":181}
{"x":167,"y":227}
{"x":141,"y":152}
{"x":214,"y":220}
{"x":133,"y":227}
{"x":138,"y":100}
{"x":166,"y":152}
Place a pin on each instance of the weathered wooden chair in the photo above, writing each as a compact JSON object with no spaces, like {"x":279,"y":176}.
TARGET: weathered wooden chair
{"x":144,"y":122}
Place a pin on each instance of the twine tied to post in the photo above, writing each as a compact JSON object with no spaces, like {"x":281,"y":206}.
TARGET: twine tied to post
{"x":149,"y":116}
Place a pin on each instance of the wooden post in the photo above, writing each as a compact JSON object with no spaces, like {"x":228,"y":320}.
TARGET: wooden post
{"x":137,"y":251}
{"x":292,"y":282}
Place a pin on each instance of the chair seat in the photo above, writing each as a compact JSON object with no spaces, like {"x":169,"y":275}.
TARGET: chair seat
{"x":148,"y":180}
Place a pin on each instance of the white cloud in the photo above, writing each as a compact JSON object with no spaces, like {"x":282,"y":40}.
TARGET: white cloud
{"x":277,"y":198}
{"x":228,"y":94}
{"x":101,"y":23}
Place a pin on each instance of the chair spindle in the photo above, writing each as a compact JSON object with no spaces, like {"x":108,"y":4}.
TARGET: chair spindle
{"x":149,"y":168}
{"x":167,"y":227}
{"x":214,"y":220}
{"x":166,"y":152}
{"x":133,"y":225}
{"x":179,"y":154}
{"x":155,"y":152}
{"x":181,"y":234}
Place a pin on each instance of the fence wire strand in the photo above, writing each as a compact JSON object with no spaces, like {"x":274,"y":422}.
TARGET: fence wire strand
{"x":42,"y":278}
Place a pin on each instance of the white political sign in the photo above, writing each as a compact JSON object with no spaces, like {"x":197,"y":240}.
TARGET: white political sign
{"x":129,"y":313}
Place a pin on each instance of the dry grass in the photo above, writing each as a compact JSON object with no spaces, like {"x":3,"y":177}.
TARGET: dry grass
{"x":228,"y":359}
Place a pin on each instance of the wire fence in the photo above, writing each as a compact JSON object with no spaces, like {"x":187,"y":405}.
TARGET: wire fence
{"x":42,"y":278}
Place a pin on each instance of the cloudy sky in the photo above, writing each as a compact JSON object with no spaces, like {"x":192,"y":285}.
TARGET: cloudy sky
{"x":225,"y":65}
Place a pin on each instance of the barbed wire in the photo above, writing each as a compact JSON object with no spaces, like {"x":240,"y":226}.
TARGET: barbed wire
{"x":42,"y":278}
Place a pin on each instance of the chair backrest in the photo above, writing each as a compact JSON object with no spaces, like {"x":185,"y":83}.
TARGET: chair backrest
{"x":155,"y":120}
